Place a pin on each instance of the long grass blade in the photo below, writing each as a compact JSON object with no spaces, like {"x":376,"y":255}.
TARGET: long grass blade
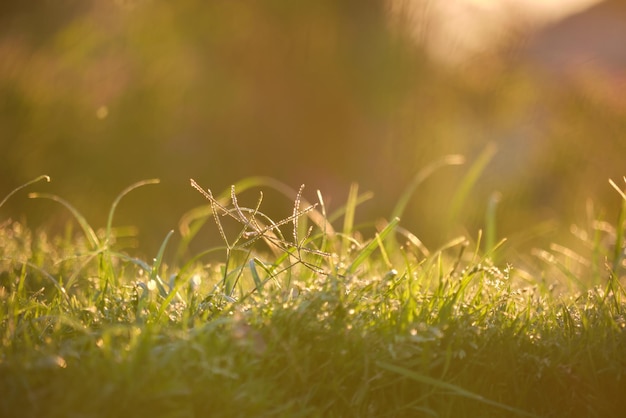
{"x":367,"y":251}
{"x":17,"y":189}
{"x":469,"y":181}
{"x":87,"y":229}
{"x":320,"y":200}
{"x":490,"y":222}
{"x":348,"y":218}
{"x":423,"y":174}
{"x":258,"y":283}
{"x":119,"y":197}
{"x":47,"y":275}
{"x":449,"y":387}
{"x":154,"y":273}
{"x":618,"y":252}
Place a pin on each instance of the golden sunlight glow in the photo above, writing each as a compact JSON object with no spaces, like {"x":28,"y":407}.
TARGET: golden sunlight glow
{"x":457,"y":29}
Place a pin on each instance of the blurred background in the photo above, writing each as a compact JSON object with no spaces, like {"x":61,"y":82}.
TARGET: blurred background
{"x":99,"y":94}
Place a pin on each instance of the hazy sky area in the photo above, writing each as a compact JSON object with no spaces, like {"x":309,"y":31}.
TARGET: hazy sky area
{"x":454,"y":30}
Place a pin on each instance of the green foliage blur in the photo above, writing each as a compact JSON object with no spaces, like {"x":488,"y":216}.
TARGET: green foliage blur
{"x":100,"y":94}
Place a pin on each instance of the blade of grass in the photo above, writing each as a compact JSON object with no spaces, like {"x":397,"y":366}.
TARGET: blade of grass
{"x":87,"y":229}
{"x":419,"y":178}
{"x":619,"y":231}
{"x":338,"y":213}
{"x":154,"y":273}
{"x":17,"y":189}
{"x":469,"y":181}
{"x":47,"y":275}
{"x":320,"y":200}
{"x":490,"y":222}
{"x":383,"y":252}
{"x":119,"y":197}
{"x":367,"y":251}
{"x":258,"y":283}
{"x":348,"y":218}
{"x":451,"y":388}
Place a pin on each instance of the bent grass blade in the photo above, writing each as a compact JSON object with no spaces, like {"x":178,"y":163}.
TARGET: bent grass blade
{"x":90,"y":234}
{"x":119,"y":198}
{"x":17,"y":189}
{"x":454,"y":389}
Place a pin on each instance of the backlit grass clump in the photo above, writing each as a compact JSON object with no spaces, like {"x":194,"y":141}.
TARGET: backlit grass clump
{"x":306,"y":316}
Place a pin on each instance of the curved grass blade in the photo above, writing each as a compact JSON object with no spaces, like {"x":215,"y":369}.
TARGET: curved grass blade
{"x":17,"y":189}
{"x":87,"y":229}
{"x":419,"y":178}
{"x":119,"y":197}
{"x":449,"y":387}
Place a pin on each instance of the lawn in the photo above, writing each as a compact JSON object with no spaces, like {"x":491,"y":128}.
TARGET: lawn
{"x":306,"y":315}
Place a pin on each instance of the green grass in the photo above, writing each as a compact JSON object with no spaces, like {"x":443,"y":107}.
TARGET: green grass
{"x":307,"y":317}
